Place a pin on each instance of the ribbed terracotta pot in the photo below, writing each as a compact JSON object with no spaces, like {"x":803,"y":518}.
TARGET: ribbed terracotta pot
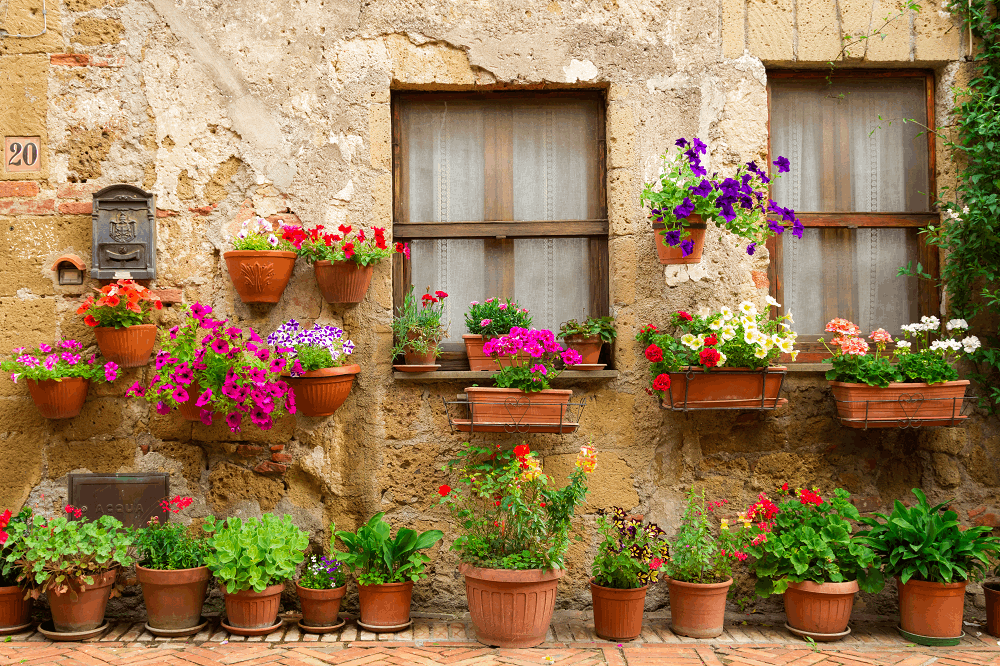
{"x":992,"y":591}
{"x":673,"y":255}
{"x":15,"y":610}
{"x":931,"y":609}
{"x":321,"y":608}
{"x":260,"y":276}
{"x":128,"y":347}
{"x":342,"y":281}
{"x":419,"y":358}
{"x":514,"y":406}
{"x":478,"y":361}
{"x":698,"y":610}
{"x":59,"y":399}
{"x":322,"y":392}
{"x":82,"y":607}
{"x":899,"y":404}
{"x":510,"y":608}
{"x":386,"y":605}
{"x":726,"y":388}
{"x":253,"y":610}
{"x":190,"y":409}
{"x":820,"y":608}
{"x":589,"y":347}
{"x":618,"y":613}
{"x":173,"y":598}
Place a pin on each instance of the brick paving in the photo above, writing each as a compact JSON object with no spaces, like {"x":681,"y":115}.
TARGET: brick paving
{"x":428,"y":642}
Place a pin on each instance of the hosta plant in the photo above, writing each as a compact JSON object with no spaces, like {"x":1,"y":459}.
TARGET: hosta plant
{"x":169,"y":546}
{"x":631,"y":554}
{"x":379,"y":558}
{"x":121,"y":304}
{"x":255,"y":553}
{"x":697,"y":553}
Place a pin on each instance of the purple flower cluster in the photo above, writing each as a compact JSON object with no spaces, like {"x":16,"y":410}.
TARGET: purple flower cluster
{"x":302,"y":344}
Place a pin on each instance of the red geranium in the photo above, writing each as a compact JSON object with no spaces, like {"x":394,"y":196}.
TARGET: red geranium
{"x":90,"y":321}
{"x":521,"y":450}
{"x":662,"y":382}
{"x":444,"y":490}
{"x":654,"y":354}
{"x":709,"y":358}
{"x":684,"y":315}
{"x":807,"y":496}
{"x":711,"y":340}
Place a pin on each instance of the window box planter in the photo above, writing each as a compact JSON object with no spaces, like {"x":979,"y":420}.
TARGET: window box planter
{"x":931,"y":611}
{"x":342,"y":281}
{"x":129,"y":347}
{"x":820,"y":611}
{"x":725,"y":388}
{"x":513,"y":410}
{"x":322,"y":392}
{"x":59,"y":399}
{"x":174,"y":597}
{"x":15,"y":610}
{"x":385,"y":607}
{"x":510,"y":608}
{"x":698,"y":610}
{"x":617,"y":612}
{"x":673,"y":255}
{"x":900,"y":405}
{"x":260,"y":276}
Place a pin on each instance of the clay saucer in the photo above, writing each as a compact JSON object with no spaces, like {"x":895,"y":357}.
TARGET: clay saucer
{"x":176,"y":633}
{"x":260,"y":631}
{"x":819,"y":638}
{"x":48,"y":630}
{"x":4,"y":631}
{"x":416,"y":368}
{"x":383,"y":629}
{"x":321,"y":630}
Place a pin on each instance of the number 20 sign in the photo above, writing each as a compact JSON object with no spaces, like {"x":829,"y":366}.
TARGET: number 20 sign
{"x":22,"y":153}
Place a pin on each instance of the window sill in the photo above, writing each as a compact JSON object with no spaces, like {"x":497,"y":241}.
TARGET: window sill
{"x":808,"y":367}
{"x":454,"y":375}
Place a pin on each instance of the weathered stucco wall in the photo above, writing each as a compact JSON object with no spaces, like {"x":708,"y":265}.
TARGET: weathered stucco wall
{"x":282,"y":109}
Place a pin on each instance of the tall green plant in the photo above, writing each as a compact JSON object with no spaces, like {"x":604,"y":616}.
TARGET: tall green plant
{"x":382,"y":559}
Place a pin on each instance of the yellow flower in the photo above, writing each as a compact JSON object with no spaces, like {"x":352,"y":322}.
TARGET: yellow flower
{"x":724,"y":524}
{"x":794,"y":354}
{"x":587,"y":458}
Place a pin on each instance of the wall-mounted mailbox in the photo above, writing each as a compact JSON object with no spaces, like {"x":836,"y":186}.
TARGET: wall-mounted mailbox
{"x":124,"y":234}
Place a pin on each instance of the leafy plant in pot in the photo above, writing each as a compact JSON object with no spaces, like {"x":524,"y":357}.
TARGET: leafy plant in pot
{"x":490,"y":319}
{"x":260,"y":264}
{"x":386,"y":568}
{"x":629,"y":560}
{"x":120,"y":318}
{"x":804,"y":549}
{"x":320,"y":375}
{"x":588,"y":338}
{"x":513,"y":525}
{"x":15,"y":604}
{"x":252,"y":559}
{"x":418,"y":329}
{"x":320,"y":589}
{"x":932,"y":558}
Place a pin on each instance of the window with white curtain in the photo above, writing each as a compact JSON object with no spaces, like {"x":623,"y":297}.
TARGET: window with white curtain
{"x":861,"y":180}
{"x":502,"y":195}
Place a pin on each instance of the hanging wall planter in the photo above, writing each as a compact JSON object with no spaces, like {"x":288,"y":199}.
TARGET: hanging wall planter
{"x":343,"y":281}
{"x":322,"y":392}
{"x":900,"y":405}
{"x":129,"y":347}
{"x":59,"y":399}
{"x":725,"y":388}
{"x":260,"y":276}
{"x":674,"y":255}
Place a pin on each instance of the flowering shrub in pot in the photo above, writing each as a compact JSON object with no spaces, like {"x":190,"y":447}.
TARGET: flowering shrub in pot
{"x":260,"y":263}
{"x":490,"y":319}
{"x":15,"y":605}
{"x":343,"y":262}
{"x":120,"y":317}
{"x":320,"y":589}
{"x":418,"y":329}
{"x":588,"y":338}
{"x":629,"y":559}
{"x":513,"y":525}
{"x":319,"y":373}
{"x":58,"y":376}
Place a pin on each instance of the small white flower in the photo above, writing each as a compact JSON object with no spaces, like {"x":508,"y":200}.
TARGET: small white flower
{"x":242,"y":235}
{"x":965,"y":210}
{"x":788,"y":316}
{"x":716,"y":324}
{"x":749,"y":323}
{"x":939,"y":345}
{"x":786,"y":346}
{"x":952,"y":214}
{"x":245,"y":223}
{"x":748,"y":308}
{"x":960,"y":324}
{"x":722,"y":360}
{"x":728,"y":332}
{"x":760,"y":352}
{"x":703,"y":312}
{"x":690,"y":341}
{"x":954,"y":344}
{"x":785,"y":325}
{"x":971,"y":344}
{"x":750,"y":336}
{"x":931,"y":323}
{"x":726,"y":313}
{"x":772,"y":301}
{"x":903,"y":344}
{"x":795,"y":354}
{"x":272,"y":240}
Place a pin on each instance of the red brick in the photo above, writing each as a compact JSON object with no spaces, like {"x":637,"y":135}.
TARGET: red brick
{"x":268,"y":467}
{"x":249,"y":450}
{"x":32,"y":207}
{"x":70,"y":59}
{"x":277,"y":447}
{"x":76,"y":190}
{"x":18,"y":188}
{"x":76,"y":207}
{"x":977,"y":511}
{"x":166,"y":213}
{"x":759,"y":279}
{"x":281,"y":457}
{"x":169,"y":296}
{"x":144,"y":448}
{"x":203,"y":210}
{"x":989,"y":520}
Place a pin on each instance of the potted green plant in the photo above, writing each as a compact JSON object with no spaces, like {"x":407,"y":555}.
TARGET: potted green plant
{"x":588,"y":338}
{"x":343,"y":262}
{"x":804,"y":549}
{"x":319,"y":372}
{"x":252,"y":559}
{"x":629,"y":559}
{"x":721,"y":360}
{"x":260,"y":263}
{"x":15,"y":605}
{"x":683,"y":199}
{"x":913,"y":385}
{"x":321,"y":588}
{"x":75,"y":562}
{"x":932,"y":558}
{"x":386,"y":568}
{"x":120,"y":317}
{"x":170,"y":566}
{"x":58,"y":376}
{"x":513,"y":524}
{"x":700,"y":568}
{"x":490,"y":319}
{"x":418,"y":330}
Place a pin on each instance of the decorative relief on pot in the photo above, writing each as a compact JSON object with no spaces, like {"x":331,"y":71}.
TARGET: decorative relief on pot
{"x":257,"y":275}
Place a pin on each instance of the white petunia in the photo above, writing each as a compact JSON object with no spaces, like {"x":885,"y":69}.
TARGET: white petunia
{"x":788,"y":316}
{"x":748,"y":323}
{"x":795,"y":354}
{"x":903,"y":344}
{"x":750,"y":336}
{"x":971,"y":344}
{"x":715,"y":325}
{"x":786,"y":346}
{"x":704,"y":312}
{"x":760,"y":352}
{"x":722,"y":359}
{"x":726,"y":313}
{"x":748,"y":308}
{"x":960,"y":324}
{"x":772,"y":301}
{"x":690,"y":341}
{"x":728,"y":332}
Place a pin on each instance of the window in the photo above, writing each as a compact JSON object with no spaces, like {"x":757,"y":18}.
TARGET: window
{"x":862,"y":181}
{"x":502,"y":195}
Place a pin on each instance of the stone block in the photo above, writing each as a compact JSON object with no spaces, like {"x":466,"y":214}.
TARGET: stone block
{"x":249,"y":451}
{"x":611,"y":483}
{"x":892,"y":44}
{"x":981,"y":468}
{"x":946,"y":470}
{"x":89,"y":5}
{"x":943,"y":440}
{"x":621,"y":136}
{"x":380,"y":136}
{"x":819,"y":39}
{"x":228,"y":484}
{"x":733,"y":28}
{"x":24,"y":91}
{"x":100,"y":418}
{"x":25,"y":323}
{"x":76,"y":208}
{"x":99,"y":457}
{"x":937,"y":34}
{"x":22,"y":464}
{"x":91,"y":31}
{"x":771,"y":37}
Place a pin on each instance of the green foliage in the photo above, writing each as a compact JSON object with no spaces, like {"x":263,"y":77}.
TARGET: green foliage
{"x":382,"y":559}
{"x":257,"y":235}
{"x":419,"y":328}
{"x":8,"y":558}
{"x":170,"y":546}
{"x":601,"y":326}
{"x":928,"y":543}
{"x":867,"y":369}
{"x":631,"y":555}
{"x":322,"y":573}
{"x":494,"y":317}
{"x":121,"y":304}
{"x":696,"y":554}
{"x":256,"y":553}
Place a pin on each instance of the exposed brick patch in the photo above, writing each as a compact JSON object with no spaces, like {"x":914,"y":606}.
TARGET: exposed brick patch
{"x":867,"y":503}
{"x":285,"y":219}
{"x":760,"y":279}
{"x":18,"y":188}
{"x":988,"y":520}
{"x":281,"y":457}
{"x":977,"y":511}
{"x":144,"y":448}
{"x":268,"y":467}
{"x":76,"y":207}
{"x":32,"y":207}
{"x":203,"y":210}
{"x":277,"y":447}
{"x":169,"y":296}
{"x":76,"y":190}
{"x":249,"y":450}
{"x":166,"y":213}
{"x":70,"y":59}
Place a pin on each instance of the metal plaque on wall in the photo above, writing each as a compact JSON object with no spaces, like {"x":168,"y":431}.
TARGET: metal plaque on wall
{"x":124,"y":234}
{"x":131,"y":498}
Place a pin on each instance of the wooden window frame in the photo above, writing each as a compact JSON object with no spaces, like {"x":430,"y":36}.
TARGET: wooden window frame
{"x":499,"y":233}
{"x":928,"y":291}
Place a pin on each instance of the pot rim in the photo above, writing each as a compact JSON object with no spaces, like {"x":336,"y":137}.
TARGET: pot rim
{"x":842,"y":588}
{"x":327,"y":262}
{"x":580,"y":337}
{"x":236,"y":254}
{"x":330,"y":591}
{"x":899,"y":385}
{"x":511,"y":575}
{"x":770,"y":368}
{"x":192,"y":574}
{"x":700,"y":586}
{"x":991,"y":585}
{"x":352,"y":369}
{"x":268,"y":591}
{"x":381,"y":585}
{"x":123,"y":328}
{"x":58,"y":380}
{"x":494,"y":389}
{"x":928,"y":583}
{"x":618,"y":589}
{"x":139,"y":566}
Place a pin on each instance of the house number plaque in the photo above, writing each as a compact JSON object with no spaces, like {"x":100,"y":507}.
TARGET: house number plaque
{"x":131,"y":498}
{"x":22,"y":153}
{"x":124,"y":232}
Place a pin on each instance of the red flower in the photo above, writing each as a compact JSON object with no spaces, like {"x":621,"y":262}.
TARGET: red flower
{"x":344,"y":229}
{"x":427,"y":298}
{"x":113,"y":301}
{"x":655,"y":564}
{"x":440,"y":294}
{"x":709,"y":358}
{"x":361,"y":235}
{"x":444,"y":490}
{"x":784,"y":486}
{"x":348,"y":250}
{"x":158,"y":304}
{"x":5,"y":519}
{"x":711,"y":340}
{"x":661,"y":383}
{"x":684,"y":315}
{"x":521,"y":450}
{"x":653,"y":354}
{"x":90,"y":321}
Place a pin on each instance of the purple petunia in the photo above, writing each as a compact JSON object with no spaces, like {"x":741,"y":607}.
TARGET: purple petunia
{"x":702,"y":189}
{"x":687,"y":247}
{"x":672,"y":237}
{"x":751,"y":248}
{"x":206,"y":416}
{"x":183,"y":375}
{"x":782,"y":164}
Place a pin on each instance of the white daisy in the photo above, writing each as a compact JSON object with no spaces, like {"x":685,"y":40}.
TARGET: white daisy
{"x":726,"y":313}
{"x":748,"y":308}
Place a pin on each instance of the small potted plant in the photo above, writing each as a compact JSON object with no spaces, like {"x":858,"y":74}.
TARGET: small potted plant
{"x":629,"y":560}
{"x":252,"y":559}
{"x":319,"y":374}
{"x":513,"y":525}
{"x":913,"y":385}
{"x":683,"y":199}
{"x":386,"y":568}
{"x":343,"y":262}
{"x":490,"y":319}
{"x":58,"y":376}
{"x":418,"y":330}
{"x":321,"y":588}
{"x":721,"y":360}
{"x":15,"y":605}
{"x":588,"y":338}
{"x":803,"y":549}
{"x":171,"y":569}
{"x":700,"y":569}
{"x":120,"y":317}
{"x":932,"y":558}
{"x":260,"y":264}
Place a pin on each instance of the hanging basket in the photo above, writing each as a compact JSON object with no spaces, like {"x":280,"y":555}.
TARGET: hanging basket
{"x":260,"y":276}
{"x":725,"y":388}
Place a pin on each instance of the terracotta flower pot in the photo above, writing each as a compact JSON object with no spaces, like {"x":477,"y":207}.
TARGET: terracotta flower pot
{"x":899,"y":404}
{"x":128,"y":347}
{"x":589,"y":347}
{"x":478,"y":361}
{"x":420,"y":358}
{"x":82,"y":607}
{"x":253,"y":610}
{"x":673,"y":255}
{"x":698,"y":610}
{"x":15,"y":610}
{"x":322,"y":392}
{"x":260,"y":276}
{"x":342,"y":281}
{"x":514,"y":406}
{"x":931,"y":609}
{"x":992,"y":591}
{"x":189,"y":409}
{"x":725,"y":388}
{"x":386,"y":605}
{"x":618,"y":613}
{"x":820,"y":608}
{"x":321,"y":608}
{"x":59,"y":399}
{"x":173,"y":598}
{"x":510,"y":608}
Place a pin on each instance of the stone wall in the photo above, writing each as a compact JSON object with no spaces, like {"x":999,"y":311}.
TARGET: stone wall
{"x":281,"y":109}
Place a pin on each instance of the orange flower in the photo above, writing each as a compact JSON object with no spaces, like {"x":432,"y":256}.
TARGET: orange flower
{"x":90,"y":321}
{"x":134,"y":307}
{"x":113,"y":301}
